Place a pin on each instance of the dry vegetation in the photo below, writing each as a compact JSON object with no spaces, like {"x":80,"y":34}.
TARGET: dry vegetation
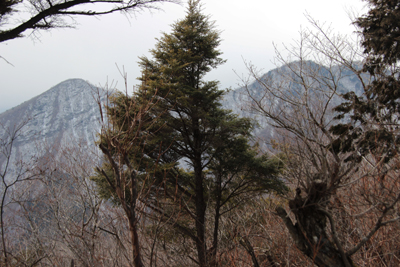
{"x":342,"y":207}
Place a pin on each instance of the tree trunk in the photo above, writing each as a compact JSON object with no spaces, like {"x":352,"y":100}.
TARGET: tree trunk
{"x":214,"y":248}
{"x":199,"y":194}
{"x":309,"y":232}
{"x":200,"y":216}
{"x":2,"y":223}
{"x":137,"y":259}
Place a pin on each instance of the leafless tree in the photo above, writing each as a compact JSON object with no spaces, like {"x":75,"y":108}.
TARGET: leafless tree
{"x":69,"y":207}
{"x":13,"y":171}
{"x":337,"y":206}
{"x":60,"y":219}
{"x":258,"y":238}
{"x":125,"y":173}
{"x":48,"y":14}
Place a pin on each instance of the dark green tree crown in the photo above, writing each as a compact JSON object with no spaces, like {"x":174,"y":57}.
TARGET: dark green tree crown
{"x":374,"y":113}
{"x":191,"y":48}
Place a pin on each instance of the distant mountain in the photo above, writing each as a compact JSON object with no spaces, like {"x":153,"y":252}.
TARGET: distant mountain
{"x":239,"y":100}
{"x":65,"y":114}
{"x":69,"y":114}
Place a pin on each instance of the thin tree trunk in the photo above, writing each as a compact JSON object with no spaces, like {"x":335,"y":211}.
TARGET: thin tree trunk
{"x":137,"y":259}
{"x":200,"y":217}
{"x":2,"y":225}
{"x":199,"y":194}
{"x":213,"y":252}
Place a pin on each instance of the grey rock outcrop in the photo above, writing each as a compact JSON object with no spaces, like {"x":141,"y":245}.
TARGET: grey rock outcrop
{"x":67,"y":113}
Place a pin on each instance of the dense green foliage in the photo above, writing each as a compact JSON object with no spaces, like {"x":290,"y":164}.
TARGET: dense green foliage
{"x":198,"y":153}
{"x":374,"y":115}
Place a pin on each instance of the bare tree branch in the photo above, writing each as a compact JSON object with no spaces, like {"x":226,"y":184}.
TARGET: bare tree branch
{"x":52,"y":13}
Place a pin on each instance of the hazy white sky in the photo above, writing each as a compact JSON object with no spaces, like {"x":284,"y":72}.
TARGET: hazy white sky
{"x":98,"y":45}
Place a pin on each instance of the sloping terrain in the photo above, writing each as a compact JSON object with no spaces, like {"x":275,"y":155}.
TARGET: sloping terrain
{"x":65,"y":114}
{"x":287,"y":80}
{"x":68,"y":114}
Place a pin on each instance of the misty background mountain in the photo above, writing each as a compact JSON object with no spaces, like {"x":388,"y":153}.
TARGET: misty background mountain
{"x":68,"y":114}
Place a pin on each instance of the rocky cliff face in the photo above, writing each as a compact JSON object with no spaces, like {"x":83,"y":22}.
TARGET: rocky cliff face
{"x":239,"y":100}
{"x":67,"y":113}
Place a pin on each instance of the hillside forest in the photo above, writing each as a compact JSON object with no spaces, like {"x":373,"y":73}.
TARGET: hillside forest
{"x":175,"y":179}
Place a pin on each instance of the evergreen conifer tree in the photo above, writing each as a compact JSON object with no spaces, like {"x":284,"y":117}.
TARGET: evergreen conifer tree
{"x":375,"y":114}
{"x":207,"y":166}
{"x":210,"y":140}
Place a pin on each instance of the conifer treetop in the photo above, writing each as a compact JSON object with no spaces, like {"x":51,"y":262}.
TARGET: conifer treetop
{"x":191,"y":47}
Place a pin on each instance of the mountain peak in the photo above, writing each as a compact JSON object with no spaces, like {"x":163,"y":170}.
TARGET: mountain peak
{"x":75,"y":84}
{"x":67,"y":112}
